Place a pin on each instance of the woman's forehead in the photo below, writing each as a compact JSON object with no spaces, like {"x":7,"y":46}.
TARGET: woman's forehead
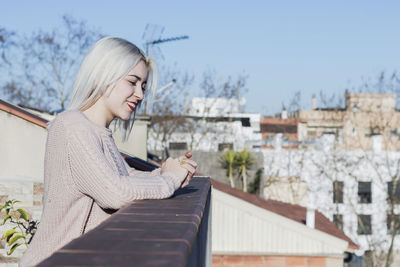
{"x":139,"y":71}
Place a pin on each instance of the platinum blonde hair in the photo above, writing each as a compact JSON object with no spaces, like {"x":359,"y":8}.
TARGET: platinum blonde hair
{"x":107,"y":62}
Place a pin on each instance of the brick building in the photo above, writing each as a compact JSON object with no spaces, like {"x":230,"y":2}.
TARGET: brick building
{"x":285,"y":127}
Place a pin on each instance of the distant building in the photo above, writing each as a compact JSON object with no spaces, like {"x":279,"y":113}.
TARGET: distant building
{"x":288,"y":189}
{"x":285,"y":127}
{"x":368,"y":121}
{"x":215,"y":124}
{"x":343,"y":159}
{"x":215,"y":107}
{"x":349,"y":187}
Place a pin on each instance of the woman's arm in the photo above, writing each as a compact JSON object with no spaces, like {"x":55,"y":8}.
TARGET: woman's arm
{"x":133,"y":172}
{"x":93,"y":176}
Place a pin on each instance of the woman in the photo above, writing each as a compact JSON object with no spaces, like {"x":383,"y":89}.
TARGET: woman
{"x":85,"y":177}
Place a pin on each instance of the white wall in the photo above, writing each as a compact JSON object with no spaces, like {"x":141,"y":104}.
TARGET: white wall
{"x":22,"y":146}
{"x":239,"y":227}
{"x":319,"y":168}
{"x":207,"y":135}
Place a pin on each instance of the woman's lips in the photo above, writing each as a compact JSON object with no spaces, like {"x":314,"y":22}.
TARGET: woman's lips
{"x":132,"y":105}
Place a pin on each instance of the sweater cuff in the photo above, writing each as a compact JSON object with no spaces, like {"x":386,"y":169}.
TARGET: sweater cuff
{"x":156,"y":171}
{"x":173,"y":179}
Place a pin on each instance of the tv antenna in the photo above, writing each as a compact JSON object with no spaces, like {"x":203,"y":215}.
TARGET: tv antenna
{"x":152,"y":37}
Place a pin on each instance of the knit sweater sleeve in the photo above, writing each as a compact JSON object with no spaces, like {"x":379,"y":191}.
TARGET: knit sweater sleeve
{"x":93,"y":175}
{"x":134,"y":172}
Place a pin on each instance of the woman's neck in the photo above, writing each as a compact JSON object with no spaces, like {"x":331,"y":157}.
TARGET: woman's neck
{"x":98,"y":114}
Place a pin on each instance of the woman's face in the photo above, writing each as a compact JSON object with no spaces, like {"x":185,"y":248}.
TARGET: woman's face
{"x":127,"y":93}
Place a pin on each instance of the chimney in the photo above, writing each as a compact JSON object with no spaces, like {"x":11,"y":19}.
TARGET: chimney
{"x":284,"y":114}
{"x":314,"y":102}
{"x":310,"y":220}
{"x":278,"y":141}
{"x":185,"y":103}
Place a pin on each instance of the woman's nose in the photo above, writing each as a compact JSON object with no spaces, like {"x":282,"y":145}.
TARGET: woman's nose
{"x":139,"y":93}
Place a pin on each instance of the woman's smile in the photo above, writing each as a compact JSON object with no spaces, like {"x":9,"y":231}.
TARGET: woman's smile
{"x":132,"y":105}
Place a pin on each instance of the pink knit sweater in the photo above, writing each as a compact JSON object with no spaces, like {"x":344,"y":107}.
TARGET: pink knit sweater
{"x":85,"y":177}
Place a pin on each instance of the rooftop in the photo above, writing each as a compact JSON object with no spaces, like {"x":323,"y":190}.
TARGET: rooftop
{"x":293,"y":212}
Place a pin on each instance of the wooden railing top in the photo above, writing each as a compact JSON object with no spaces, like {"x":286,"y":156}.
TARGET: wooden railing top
{"x":144,"y":233}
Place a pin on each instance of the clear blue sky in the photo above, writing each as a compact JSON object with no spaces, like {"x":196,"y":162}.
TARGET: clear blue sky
{"x":284,"y":46}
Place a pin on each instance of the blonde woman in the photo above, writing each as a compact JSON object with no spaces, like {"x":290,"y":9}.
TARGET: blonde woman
{"x":85,"y":177}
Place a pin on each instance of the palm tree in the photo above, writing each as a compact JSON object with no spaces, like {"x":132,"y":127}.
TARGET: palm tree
{"x":227,"y":161}
{"x":244,"y":160}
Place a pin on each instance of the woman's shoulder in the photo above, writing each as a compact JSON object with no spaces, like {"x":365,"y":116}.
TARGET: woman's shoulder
{"x":70,"y":120}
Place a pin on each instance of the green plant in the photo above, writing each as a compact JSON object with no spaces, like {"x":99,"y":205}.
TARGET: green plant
{"x":244,"y":160}
{"x":23,"y":228}
{"x":227,"y":161}
{"x":254,"y":186}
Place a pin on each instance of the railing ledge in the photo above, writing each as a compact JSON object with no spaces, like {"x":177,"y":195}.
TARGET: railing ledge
{"x":167,"y":232}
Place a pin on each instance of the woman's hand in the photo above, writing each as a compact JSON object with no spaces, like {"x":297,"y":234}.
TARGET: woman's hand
{"x":183,"y":167}
{"x":173,"y":166}
{"x":189,"y":165}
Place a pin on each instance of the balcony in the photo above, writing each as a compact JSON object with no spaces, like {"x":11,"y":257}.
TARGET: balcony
{"x":168,"y":232}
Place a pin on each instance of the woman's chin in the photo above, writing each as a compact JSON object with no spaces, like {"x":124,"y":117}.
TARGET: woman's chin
{"x":125,"y":116}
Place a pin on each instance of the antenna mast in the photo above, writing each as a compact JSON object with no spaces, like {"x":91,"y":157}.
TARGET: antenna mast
{"x":152,"y":36}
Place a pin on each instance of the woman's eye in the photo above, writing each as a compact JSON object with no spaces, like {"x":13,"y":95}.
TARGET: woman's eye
{"x":133,"y":83}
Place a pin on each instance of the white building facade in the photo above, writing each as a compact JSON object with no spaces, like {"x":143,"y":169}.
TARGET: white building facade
{"x":349,"y":187}
{"x":216,"y":124}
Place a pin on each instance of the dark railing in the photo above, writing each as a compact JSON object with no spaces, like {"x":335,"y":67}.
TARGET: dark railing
{"x":167,"y":232}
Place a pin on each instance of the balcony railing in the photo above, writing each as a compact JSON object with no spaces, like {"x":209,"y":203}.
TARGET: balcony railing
{"x":168,"y":232}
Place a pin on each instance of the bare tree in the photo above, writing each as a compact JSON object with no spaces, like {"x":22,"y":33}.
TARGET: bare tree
{"x":173,"y":114}
{"x":167,"y":106}
{"x":45,"y":63}
{"x":7,"y":42}
{"x":205,"y":122}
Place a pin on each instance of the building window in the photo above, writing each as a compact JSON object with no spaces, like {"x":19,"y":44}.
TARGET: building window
{"x":225,"y":146}
{"x":395,"y":133}
{"x":364,"y":192}
{"x":338,"y":220}
{"x":354,"y":131}
{"x":370,"y":131}
{"x":339,"y":137}
{"x":394,"y":192}
{"x":178,"y":146}
{"x":312,"y":133}
{"x":364,"y":225}
{"x":337,"y":192}
{"x":395,"y":219}
{"x":369,"y":258}
{"x":355,"y":107}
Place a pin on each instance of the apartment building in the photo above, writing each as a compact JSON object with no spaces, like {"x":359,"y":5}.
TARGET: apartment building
{"x":353,"y":188}
{"x":367,"y":121}
{"x":210,"y":124}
